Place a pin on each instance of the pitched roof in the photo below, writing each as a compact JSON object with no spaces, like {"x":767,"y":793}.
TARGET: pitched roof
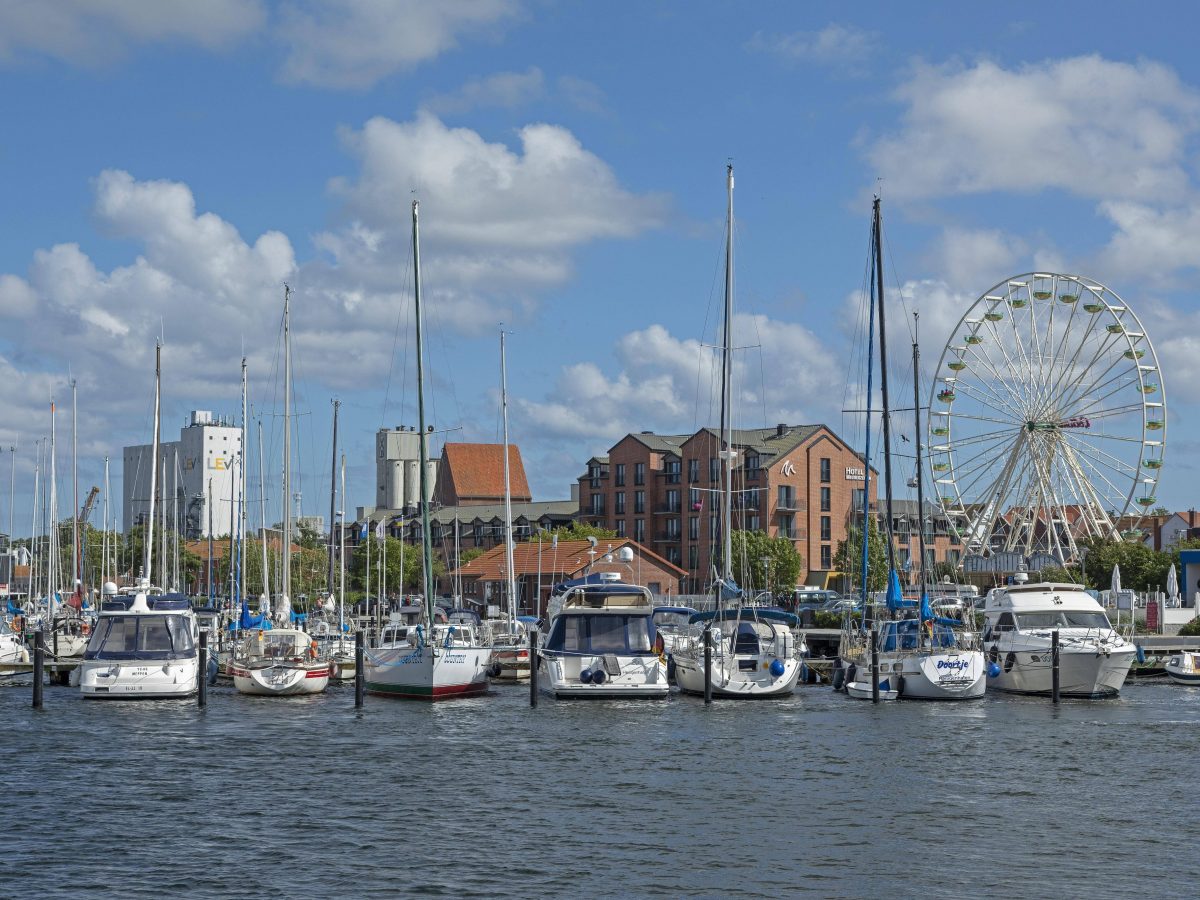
{"x":567,"y":558}
{"x":476,"y":471}
{"x":661,"y":443}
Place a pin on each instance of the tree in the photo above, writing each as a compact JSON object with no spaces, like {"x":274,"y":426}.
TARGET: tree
{"x":761,"y":562}
{"x":1072,"y":575}
{"x":576,"y":531}
{"x":848,"y":559}
{"x":467,"y":555}
{"x":1140,"y":565}
{"x":399,"y":553}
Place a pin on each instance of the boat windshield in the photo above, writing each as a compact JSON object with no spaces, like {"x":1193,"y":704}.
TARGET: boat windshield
{"x":141,"y":637}
{"x":600,"y":633}
{"x":671,"y":620}
{"x":1062,"y":618}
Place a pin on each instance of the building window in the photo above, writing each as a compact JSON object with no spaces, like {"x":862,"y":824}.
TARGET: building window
{"x":752,"y":523}
{"x":826,"y":500}
{"x":673,"y":500}
{"x":639,"y":502}
{"x":693,"y":471}
{"x":620,"y":476}
{"x":787,"y":497}
{"x":826,"y":557}
{"x":826,"y":528}
{"x":673,"y":555}
{"x":639,"y":473}
{"x":752,"y":467}
{"x":825,"y":478}
{"x":619,"y":504}
{"x":714,"y":469}
{"x":639,"y":530}
{"x":693,"y":557}
{"x":671,"y":468}
{"x":694,"y":502}
{"x":787,"y":526}
{"x":750,"y":499}
{"x":597,"y":504}
{"x":673,"y":529}
{"x":694,"y":528}
{"x":954,"y":557}
{"x":620,"y":528}
{"x":857,"y":500}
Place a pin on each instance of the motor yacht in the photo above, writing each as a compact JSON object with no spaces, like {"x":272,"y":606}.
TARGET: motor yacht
{"x":142,"y":647}
{"x":601,"y":643}
{"x":1184,"y":668}
{"x":1019,"y":622}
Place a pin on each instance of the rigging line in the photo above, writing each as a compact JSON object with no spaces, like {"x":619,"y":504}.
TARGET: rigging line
{"x":392,"y":359}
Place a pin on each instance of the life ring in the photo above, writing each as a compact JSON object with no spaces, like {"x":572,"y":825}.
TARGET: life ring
{"x":312,"y":649}
{"x":18,"y":624}
{"x":85,"y":629}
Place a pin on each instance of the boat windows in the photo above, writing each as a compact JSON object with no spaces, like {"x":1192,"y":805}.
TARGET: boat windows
{"x":600,"y":634}
{"x":1061,"y":618}
{"x":141,"y":637}
{"x":1005,"y":622}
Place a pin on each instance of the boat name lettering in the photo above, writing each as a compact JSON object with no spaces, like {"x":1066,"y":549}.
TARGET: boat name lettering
{"x":956,"y":664}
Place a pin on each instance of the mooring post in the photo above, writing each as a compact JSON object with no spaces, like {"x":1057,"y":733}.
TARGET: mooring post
{"x":533,"y":668}
{"x":874,"y":663}
{"x":707,"y":663}
{"x":39,"y":667}
{"x":202,"y":675}
{"x":1054,"y":665}
{"x":359,"y":669}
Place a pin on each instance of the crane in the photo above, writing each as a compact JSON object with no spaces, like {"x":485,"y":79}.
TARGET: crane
{"x":87,"y":505}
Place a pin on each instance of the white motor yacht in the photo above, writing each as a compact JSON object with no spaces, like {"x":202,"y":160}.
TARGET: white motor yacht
{"x":755,"y":653}
{"x":1020,"y":620}
{"x":142,"y":647}
{"x":601,"y":642}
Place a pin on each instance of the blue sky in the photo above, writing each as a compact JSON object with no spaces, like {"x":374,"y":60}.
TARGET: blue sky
{"x":172,"y":164}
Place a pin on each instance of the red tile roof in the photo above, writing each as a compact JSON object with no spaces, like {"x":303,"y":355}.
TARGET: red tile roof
{"x":476,"y":472}
{"x":568,"y":558}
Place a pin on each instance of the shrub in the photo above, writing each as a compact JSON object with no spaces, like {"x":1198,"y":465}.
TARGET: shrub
{"x":1191,"y":629}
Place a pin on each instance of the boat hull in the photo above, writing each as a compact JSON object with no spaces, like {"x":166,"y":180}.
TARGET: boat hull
{"x":734,"y":681}
{"x":863,"y":690}
{"x":104,"y":680}
{"x":943,"y":676}
{"x":1086,"y":675}
{"x":641,"y":677}
{"x":427,"y":673}
{"x":280,"y":680}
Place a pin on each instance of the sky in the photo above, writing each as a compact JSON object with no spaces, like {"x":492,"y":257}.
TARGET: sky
{"x":168,"y":167}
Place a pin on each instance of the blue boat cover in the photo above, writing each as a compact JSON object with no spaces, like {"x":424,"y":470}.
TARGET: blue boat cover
{"x":13,"y":609}
{"x":681,"y":610}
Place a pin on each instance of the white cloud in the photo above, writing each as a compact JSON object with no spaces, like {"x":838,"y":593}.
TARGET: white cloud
{"x":973,"y":259}
{"x":95,"y":31}
{"x":1150,"y":241}
{"x":1086,"y":125}
{"x":355,"y":43}
{"x":507,"y":90}
{"x":837,"y":46}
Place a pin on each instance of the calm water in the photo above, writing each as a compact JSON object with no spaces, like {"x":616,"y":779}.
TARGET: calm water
{"x":818,"y":794}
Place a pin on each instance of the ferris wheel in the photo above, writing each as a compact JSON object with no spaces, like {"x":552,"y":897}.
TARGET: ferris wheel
{"x":1047,"y":420}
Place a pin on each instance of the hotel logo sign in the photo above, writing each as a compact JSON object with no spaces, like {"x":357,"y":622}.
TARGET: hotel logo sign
{"x":854,"y":473}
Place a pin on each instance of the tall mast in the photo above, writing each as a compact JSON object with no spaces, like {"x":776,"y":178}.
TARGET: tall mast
{"x":426,"y":539}
{"x":917,"y":449}
{"x":12,"y":491}
{"x":34,"y":540}
{"x":211,"y":592}
{"x":866,"y":503}
{"x":104,"y":537}
{"x":175,"y":521}
{"x":342,"y":557}
{"x":242,"y":495}
{"x":265,"y":602}
{"x":149,"y":535}
{"x":75,"y":561}
{"x":287,"y":456}
{"x":508,"y":527}
{"x":727,"y":392}
{"x":333,"y":493}
{"x":52,"y":519}
{"x":883,"y":389}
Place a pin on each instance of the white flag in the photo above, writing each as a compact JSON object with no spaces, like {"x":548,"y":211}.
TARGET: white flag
{"x":379,"y":530}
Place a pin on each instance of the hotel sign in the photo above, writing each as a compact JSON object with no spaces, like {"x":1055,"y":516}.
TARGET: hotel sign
{"x":854,"y":473}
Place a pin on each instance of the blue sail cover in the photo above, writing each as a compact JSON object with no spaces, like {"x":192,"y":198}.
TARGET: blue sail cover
{"x":13,"y":609}
{"x":895,"y":595}
{"x":729,"y":590}
{"x":928,"y":616}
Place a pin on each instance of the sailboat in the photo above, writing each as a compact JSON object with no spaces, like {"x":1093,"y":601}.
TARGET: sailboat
{"x":920,"y":655}
{"x":281,"y":661}
{"x":143,"y":647}
{"x":754,"y":651}
{"x":434,"y":660}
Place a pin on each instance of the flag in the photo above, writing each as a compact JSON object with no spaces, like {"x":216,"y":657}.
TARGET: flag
{"x":379,"y":532}
{"x":363,"y":536}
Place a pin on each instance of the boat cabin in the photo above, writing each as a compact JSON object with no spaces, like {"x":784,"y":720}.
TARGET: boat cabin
{"x":142,"y":636}
{"x":278,"y":643}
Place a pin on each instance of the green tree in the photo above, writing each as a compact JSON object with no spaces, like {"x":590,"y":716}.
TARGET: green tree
{"x":848,"y":559}
{"x":576,"y":531}
{"x":1140,"y":565}
{"x":404,"y":568}
{"x":1070,"y":575}
{"x":761,"y":562}
{"x":467,"y":555}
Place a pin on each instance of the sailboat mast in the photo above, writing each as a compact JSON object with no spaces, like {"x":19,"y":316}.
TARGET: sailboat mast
{"x":287,"y":449}
{"x":883,"y":388}
{"x":149,"y":535}
{"x":52,"y":519}
{"x":175,"y":521}
{"x":265,"y":603}
{"x":342,"y":557}
{"x":34,"y":540}
{"x":917,"y":449}
{"x":333,"y":493}
{"x":727,"y":391}
{"x":242,"y":497}
{"x":426,"y":539}
{"x":866,"y":502}
{"x":75,"y":561}
{"x":508,"y":526}
{"x":104,"y":535}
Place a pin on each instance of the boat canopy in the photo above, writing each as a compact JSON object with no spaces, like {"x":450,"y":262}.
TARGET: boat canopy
{"x":762,"y":613}
{"x":678,"y":610}
{"x":138,"y":636}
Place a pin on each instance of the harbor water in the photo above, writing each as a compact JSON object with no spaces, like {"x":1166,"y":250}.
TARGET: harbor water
{"x":816,"y":794}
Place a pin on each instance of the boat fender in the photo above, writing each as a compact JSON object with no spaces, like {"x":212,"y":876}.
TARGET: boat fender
{"x":993,"y":669}
{"x":899,"y":685}
{"x":494,"y":670}
{"x":777,"y":668}
{"x":670,"y":668}
{"x":1141,"y":654}
{"x":599,"y":676}
{"x":804,"y":673}
{"x":1009,"y":661}
{"x":585,"y":676}
{"x":850,"y":673}
{"x":839,"y":678}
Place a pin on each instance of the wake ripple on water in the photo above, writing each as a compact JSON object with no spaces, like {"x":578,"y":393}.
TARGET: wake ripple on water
{"x":815,"y":794}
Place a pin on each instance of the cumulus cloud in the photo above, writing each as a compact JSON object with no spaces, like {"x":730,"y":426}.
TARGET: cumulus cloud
{"x":355,"y":43}
{"x":89,"y":32}
{"x":504,"y":89}
{"x":842,"y":47}
{"x":1152,"y":241}
{"x":1085,"y":125}
{"x":973,"y":259}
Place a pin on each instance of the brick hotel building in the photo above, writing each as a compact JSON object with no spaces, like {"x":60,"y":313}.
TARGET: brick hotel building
{"x":801,"y":481}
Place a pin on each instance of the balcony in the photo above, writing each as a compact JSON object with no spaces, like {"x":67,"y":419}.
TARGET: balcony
{"x":793,"y":534}
{"x":668,"y":509}
{"x":792,"y":505}
{"x":667,"y":537}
